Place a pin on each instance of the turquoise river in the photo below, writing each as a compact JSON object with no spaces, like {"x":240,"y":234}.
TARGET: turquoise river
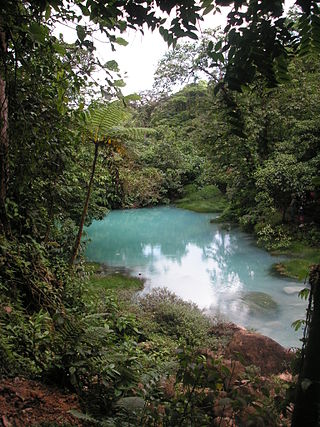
{"x":201,"y":262}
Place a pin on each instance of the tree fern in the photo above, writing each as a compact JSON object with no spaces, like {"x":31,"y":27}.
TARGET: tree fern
{"x":105,"y":124}
{"x":102,"y":120}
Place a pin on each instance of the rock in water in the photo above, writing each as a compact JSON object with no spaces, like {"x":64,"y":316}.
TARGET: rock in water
{"x":293,"y":289}
{"x":259,"y":303}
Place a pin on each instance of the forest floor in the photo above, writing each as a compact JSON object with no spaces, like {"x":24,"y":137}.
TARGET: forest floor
{"x":30,"y":403}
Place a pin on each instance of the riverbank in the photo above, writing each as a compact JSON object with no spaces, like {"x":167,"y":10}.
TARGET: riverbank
{"x":245,"y":366}
{"x":300,"y":258}
{"x":300,"y":255}
{"x":204,"y":200}
{"x":104,"y":277}
{"x":153,"y":361}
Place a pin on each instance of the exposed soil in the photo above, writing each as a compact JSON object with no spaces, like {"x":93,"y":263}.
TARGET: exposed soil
{"x":259,"y":350}
{"x":29,"y":403}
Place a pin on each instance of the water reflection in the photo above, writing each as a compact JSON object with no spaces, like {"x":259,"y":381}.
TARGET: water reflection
{"x":198,"y":261}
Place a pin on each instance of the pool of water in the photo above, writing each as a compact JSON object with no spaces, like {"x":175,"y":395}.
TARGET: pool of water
{"x":201,"y":262}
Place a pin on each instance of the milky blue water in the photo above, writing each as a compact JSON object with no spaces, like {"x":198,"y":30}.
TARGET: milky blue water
{"x":200,"y":262}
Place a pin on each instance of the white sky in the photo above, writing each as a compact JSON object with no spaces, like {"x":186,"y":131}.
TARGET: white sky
{"x":140,"y":58}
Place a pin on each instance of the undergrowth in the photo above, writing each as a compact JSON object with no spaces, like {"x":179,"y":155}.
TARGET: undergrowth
{"x":206,"y":199}
{"x":151,"y":361}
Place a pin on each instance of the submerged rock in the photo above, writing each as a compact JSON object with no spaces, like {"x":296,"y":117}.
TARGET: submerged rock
{"x":259,"y":303}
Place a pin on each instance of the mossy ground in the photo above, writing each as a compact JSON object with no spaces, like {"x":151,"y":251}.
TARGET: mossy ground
{"x":116,"y":281}
{"x":99,"y":280}
{"x":301,"y":258}
{"x":206,"y":199}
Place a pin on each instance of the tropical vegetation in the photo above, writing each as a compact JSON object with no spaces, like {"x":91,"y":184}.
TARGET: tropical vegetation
{"x":231,"y":126}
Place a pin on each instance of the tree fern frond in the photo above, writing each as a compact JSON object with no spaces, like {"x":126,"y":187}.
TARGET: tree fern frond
{"x":101,"y":120}
{"x":106,"y":122}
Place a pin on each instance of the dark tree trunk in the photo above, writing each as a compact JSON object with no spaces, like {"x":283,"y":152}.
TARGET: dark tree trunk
{"x":284,"y":211}
{"x":307,"y":406}
{"x":4,"y":140}
{"x":85,"y":208}
{"x":50,"y":219}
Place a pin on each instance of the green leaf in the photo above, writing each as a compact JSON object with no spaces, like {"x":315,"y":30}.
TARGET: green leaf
{"x":119,"y":83}
{"x":112,"y":65}
{"x":37,"y":32}
{"x":81,"y":33}
{"x":121,"y":41}
{"x":206,"y":3}
{"x":192,"y":35}
{"x":218,"y":46}
{"x":85,"y":11}
{"x":225,"y":370}
{"x":132,"y":97}
{"x":61,"y":50}
{"x":304,"y":293}
{"x":296,"y":325}
{"x":208,"y":10}
{"x":47,"y":13}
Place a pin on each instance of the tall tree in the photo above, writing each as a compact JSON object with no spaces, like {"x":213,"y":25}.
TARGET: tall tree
{"x":4,"y":133}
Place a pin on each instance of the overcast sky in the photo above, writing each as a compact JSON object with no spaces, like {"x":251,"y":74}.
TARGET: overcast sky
{"x":139,"y":59}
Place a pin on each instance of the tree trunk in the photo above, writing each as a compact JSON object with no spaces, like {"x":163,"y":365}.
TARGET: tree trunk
{"x":4,"y":140}
{"x":284,"y":211}
{"x":307,"y":406}
{"x":85,"y":208}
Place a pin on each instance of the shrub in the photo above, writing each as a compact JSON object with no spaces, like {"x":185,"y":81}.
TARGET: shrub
{"x":179,"y":319}
{"x":142,"y":187}
{"x":273,"y":238}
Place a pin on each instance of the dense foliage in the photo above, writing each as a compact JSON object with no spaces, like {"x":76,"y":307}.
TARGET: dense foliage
{"x":67,"y":154}
{"x":269,"y":172}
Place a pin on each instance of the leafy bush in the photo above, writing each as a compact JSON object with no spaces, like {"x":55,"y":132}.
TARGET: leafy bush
{"x":248,"y":221}
{"x":273,"y":238}
{"x":207,"y":390}
{"x":179,"y":319}
{"x":142,"y":187}
{"x":312,"y":235}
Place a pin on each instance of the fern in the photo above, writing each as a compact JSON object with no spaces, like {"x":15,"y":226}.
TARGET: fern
{"x":106,"y":122}
{"x":83,"y":417}
{"x":309,"y":30}
{"x":102,"y":120}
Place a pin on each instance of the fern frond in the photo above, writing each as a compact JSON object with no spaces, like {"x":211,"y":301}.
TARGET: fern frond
{"x":103,"y":123}
{"x":100,"y":121}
